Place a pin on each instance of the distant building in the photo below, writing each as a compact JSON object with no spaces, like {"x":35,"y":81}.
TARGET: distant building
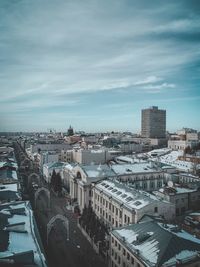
{"x":153,"y":123}
{"x":70,"y":131}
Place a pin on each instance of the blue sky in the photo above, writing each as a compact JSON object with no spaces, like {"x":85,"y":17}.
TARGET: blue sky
{"x":96,"y":64}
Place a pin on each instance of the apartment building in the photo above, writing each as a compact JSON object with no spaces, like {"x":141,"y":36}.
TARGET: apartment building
{"x":143,"y":175}
{"x":118,"y":205}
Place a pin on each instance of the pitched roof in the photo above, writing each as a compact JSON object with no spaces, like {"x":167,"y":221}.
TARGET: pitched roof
{"x":157,"y":243}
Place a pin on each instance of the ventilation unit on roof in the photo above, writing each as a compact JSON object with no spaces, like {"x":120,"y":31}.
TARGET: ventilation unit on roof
{"x":142,"y":237}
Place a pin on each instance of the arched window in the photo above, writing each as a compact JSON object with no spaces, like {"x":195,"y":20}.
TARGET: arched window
{"x":78,"y":175}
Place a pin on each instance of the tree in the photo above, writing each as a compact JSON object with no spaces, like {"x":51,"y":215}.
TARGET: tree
{"x":58,"y":183}
{"x":53,"y":179}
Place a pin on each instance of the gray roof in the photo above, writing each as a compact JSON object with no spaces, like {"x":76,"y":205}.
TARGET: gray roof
{"x":98,"y":170}
{"x":157,"y":243}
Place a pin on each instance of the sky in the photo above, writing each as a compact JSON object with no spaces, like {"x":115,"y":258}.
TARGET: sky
{"x":95,"y":64}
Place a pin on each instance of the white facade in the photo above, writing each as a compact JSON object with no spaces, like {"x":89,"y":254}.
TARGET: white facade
{"x":49,"y":147}
{"x":180,"y":144}
{"x":118,"y":205}
{"x":82,"y":179}
{"x":88,"y":156}
{"x":66,"y":156}
{"x":144,"y":175}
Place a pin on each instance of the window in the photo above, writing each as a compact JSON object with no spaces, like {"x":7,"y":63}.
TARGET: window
{"x":125,"y":218}
{"x":112,"y":252}
{"x":112,"y":239}
{"x":128,"y":256}
{"x":112,"y":208}
{"x":116,"y":211}
{"x":119,"y":246}
{"x":152,"y":184}
{"x":156,"y":209}
{"x":124,"y":252}
{"x":120,"y":214}
{"x":115,"y":243}
{"x":132,"y":260}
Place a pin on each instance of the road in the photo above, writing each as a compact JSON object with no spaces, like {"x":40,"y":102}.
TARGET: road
{"x":77,"y":252}
{"x":60,"y":252}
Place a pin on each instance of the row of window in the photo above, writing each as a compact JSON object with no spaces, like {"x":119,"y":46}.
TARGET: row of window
{"x":115,"y":253}
{"x":108,"y":216}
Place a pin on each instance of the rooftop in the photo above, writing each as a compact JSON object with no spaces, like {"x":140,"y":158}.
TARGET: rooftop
{"x":18,"y":240}
{"x":134,"y":168}
{"x":158,"y":244}
{"x":95,"y":171}
{"x":131,"y":198}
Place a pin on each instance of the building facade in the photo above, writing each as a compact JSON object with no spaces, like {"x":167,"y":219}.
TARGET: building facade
{"x":153,"y":123}
{"x":117,"y":205}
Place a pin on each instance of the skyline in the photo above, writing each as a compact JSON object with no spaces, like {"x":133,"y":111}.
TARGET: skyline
{"x":96,"y":65}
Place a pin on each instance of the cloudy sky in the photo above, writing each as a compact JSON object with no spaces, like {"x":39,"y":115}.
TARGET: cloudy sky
{"x":95,"y":64}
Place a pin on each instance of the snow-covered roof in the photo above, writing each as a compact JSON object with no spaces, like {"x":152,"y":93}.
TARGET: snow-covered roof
{"x":17,"y":222}
{"x":131,"y":198}
{"x":95,"y":171}
{"x":146,"y":167}
{"x":10,"y":187}
{"x":158,"y":244}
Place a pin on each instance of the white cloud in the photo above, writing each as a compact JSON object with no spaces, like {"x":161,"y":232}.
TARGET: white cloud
{"x":150,"y":79}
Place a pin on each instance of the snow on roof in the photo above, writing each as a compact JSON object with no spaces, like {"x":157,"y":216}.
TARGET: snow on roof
{"x":131,"y":198}
{"x":133,"y":168}
{"x":95,"y":171}
{"x":8,"y":187}
{"x":125,"y":159}
{"x":184,"y":255}
{"x":151,"y":241}
{"x":181,"y":190}
{"x":22,"y":241}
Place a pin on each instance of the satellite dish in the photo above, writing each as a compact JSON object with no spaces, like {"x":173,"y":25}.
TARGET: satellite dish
{"x":170,"y":184}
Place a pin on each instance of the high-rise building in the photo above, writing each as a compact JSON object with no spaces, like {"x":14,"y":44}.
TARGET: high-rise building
{"x":153,"y":123}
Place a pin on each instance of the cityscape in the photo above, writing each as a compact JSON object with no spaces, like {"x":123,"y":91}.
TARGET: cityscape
{"x":99,"y":133}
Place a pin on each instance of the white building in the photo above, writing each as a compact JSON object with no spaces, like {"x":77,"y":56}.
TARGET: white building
{"x":142,"y":175}
{"x":81,"y":180}
{"x":117,"y":205}
{"x":48,"y":147}
{"x":66,"y":155}
{"x":88,"y":156}
{"x":181,"y":144}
